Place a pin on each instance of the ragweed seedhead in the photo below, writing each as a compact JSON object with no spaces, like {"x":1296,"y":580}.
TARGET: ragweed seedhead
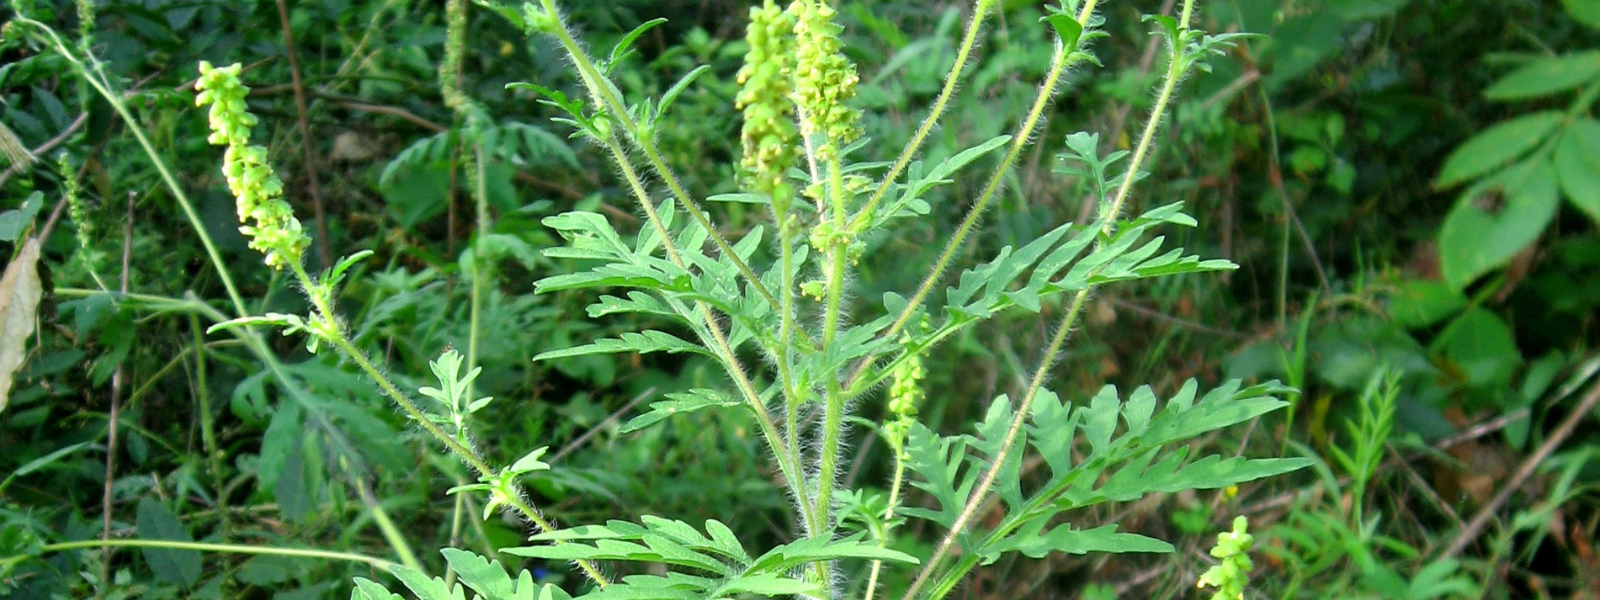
{"x":78,"y":211}
{"x":769,"y":136}
{"x":1233,"y":574}
{"x":824,"y":79}
{"x":905,"y":394}
{"x":268,"y":221}
{"x":85,"y":24}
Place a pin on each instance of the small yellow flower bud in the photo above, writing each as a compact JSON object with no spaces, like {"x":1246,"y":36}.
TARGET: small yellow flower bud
{"x":769,"y":137}
{"x":268,"y":221}
{"x":825,"y":80}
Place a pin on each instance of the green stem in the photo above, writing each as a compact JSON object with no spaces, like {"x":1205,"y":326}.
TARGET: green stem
{"x":1141,"y":152}
{"x":449,"y":85}
{"x":834,"y":405}
{"x":968,"y":40}
{"x":1058,"y":66}
{"x":259,"y":348}
{"x":94,"y":78}
{"x":480,"y":271}
{"x":589,"y":570}
{"x":791,"y":393}
{"x":605,"y":94}
{"x":324,"y":313}
{"x":457,"y":514}
{"x":97,"y":80}
{"x":888,"y":515}
{"x":775,"y":442}
{"x":1157,"y":114}
{"x":208,"y":430}
{"x":386,"y":525}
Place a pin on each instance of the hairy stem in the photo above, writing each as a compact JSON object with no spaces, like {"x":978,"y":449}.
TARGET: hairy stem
{"x":208,"y":428}
{"x":253,"y":342}
{"x":1058,"y":66}
{"x":787,"y":463}
{"x":834,"y":404}
{"x":450,"y":87}
{"x":1068,"y":321}
{"x":888,"y":515}
{"x":604,"y":94}
{"x":968,"y":40}
{"x":480,"y":269}
{"x":96,"y":79}
{"x":324,"y":313}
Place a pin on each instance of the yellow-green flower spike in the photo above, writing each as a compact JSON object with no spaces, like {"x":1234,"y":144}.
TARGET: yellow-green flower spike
{"x":824,"y":79}
{"x":268,"y":221}
{"x":769,"y":136}
{"x":1232,"y":575}
{"x":905,"y":394}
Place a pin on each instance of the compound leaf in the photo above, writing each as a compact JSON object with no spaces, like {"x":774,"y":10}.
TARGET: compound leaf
{"x":1496,"y":147}
{"x":680,"y":403}
{"x":642,"y":342}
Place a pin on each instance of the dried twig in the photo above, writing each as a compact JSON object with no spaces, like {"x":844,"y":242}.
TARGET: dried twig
{"x":1467,"y":435}
{"x":612,"y":418}
{"x":1529,"y":465}
{"x":117,"y":378}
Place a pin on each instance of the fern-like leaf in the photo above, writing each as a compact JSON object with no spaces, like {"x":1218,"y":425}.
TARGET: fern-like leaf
{"x":681,"y":403}
{"x":1130,"y":452}
{"x":717,"y":565}
{"x":641,"y":342}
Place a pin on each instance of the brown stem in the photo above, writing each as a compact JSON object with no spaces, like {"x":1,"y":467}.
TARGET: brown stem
{"x":117,"y":378}
{"x":1471,"y":433}
{"x":1529,"y":465}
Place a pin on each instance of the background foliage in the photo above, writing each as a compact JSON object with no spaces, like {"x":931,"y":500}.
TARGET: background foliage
{"x":1409,"y":187}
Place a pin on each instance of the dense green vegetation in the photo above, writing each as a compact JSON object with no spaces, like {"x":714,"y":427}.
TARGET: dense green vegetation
{"x":754,"y":324}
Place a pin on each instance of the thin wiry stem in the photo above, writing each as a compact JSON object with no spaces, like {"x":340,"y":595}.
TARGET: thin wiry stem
{"x":888,"y":515}
{"x":377,"y":563}
{"x":96,"y":78}
{"x":786,"y":463}
{"x":1068,"y":321}
{"x":1058,"y":66}
{"x":480,"y":263}
{"x":834,"y":405}
{"x":968,"y":41}
{"x":324,"y":313}
{"x":604,"y":94}
{"x":253,"y":342}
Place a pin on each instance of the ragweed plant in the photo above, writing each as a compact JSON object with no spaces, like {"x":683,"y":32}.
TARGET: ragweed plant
{"x":270,"y":225}
{"x":770,"y":308}
{"x":774,"y":310}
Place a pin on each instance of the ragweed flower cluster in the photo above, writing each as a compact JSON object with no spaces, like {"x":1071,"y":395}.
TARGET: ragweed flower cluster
{"x":824,"y":80}
{"x":78,"y":212}
{"x":769,"y":135}
{"x":268,"y":220}
{"x":1231,"y":577}
{"x":905,"y":393}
